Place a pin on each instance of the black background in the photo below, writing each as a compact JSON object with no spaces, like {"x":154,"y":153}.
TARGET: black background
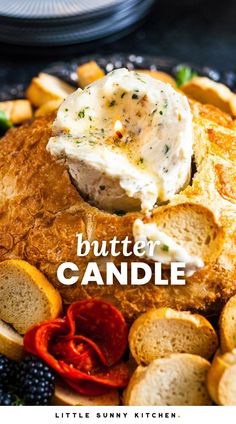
{"x":199,"y":31}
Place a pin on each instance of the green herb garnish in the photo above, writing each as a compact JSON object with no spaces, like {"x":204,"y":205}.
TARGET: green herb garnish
{"x":112,"y":103}
{"x":166,"y":149}
{"x":184,"y":74}
{"x":81,"y":113}
{"x":165,"y":104}
{"x":5,"y":123}
{"x":134,"y":96}
{"x":165,"y":248}
{"x":123,"y":94}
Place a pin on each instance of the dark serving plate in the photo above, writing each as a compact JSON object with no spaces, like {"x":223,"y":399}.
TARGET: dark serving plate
{"x":67,"y":70}
{"x":67,"y":22}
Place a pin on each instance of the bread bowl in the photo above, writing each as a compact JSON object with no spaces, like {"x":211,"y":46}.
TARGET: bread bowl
{"x":42,"y":210}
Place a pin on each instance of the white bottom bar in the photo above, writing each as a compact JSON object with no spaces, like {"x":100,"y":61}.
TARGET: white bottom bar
{"x":117,"y":415}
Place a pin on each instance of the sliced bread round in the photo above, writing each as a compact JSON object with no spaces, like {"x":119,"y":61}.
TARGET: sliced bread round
{"x":179,"y":379}
{"x":221,"y":380}
{"x":64,"y":395}
{"x":228,"y":326}
{"x":26,"y":296}
{"x":163,"y":331}
{"x":11,"y":343}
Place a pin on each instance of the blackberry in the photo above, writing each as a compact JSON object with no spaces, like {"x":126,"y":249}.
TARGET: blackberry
{"x":6,"y":398}
{"x":7,"y":367}
{"x":36,"y":381}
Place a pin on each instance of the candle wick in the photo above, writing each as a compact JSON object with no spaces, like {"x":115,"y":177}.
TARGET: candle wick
{"x":119,"y":134}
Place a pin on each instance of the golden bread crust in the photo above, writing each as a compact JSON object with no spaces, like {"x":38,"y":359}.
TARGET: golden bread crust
{"x":41,"y":211}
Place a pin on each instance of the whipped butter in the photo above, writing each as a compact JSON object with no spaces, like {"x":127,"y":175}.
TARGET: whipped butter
{"x":146,"y":162}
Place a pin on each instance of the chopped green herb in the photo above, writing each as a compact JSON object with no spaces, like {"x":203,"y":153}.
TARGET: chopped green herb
{"x":112,"y":103}
{"x":161,"y":112}
{"x":184,"y":74}
{"x":166,"y":149}
{"x":90,"y":118}
{"x":154,"y":110}
{"x":123,"y":94}
{"x":140,"y":161}
{"x":165,"y":103}
{"x":165,"y":248}
{"x":81,"y":113}
{"x":5,"y":123}
{"x":66,"y":110}
{"x":134,"y":96}
{"x":92,"y":142}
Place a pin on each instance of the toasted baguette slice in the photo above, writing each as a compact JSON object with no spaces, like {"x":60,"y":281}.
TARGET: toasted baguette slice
{"x":88,"y":73}
{"x":46,"y":87}
{"x":192,"y":226}
{"x":221,"y":380}
{"x":214,"y":93}
{"x":48,"y":107}
{"x":11,"y":343}
{"x":159,"y":75}
{"x":179,"y":379}
{"x":64,"y":395}
{"x":228,"y":326}
{"x":26,"y":296}
{"x":162,"y":331}
{"x":17,"y":111}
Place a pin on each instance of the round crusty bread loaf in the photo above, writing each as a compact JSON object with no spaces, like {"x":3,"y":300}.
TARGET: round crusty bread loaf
{"x":163,"y":331}
{"x":179,"y":379}
{"x":11,"y":343}
{"x":41,"y":211}
{"x":221,"y":379}
{"x":228,"y":326}
{"x":26,"y":296}
{"x":64,"y":395}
